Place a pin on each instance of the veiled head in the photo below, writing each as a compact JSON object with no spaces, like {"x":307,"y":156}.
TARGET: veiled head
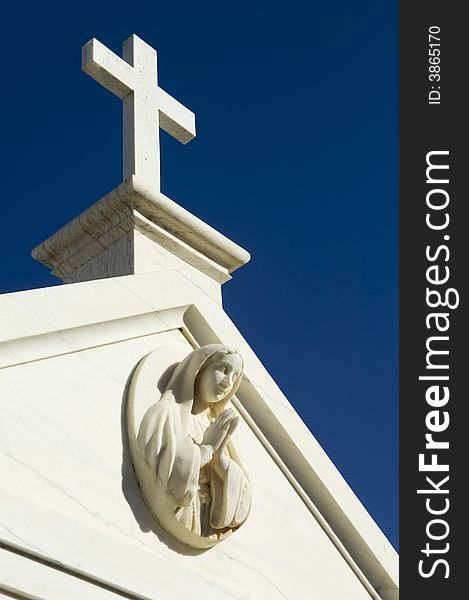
{"x":219,"y":377}
{"x":196,"y":383}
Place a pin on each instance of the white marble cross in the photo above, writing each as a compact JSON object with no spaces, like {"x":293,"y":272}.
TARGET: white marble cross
{"x":146,"y":106}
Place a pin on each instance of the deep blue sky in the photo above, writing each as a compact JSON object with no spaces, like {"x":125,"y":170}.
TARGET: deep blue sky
{"x":295,"y":159}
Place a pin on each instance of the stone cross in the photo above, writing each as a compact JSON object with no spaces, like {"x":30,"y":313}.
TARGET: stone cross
{"x":146,"y":106}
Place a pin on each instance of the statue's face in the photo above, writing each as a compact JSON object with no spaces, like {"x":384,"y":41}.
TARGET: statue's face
{"x":215,"y":381}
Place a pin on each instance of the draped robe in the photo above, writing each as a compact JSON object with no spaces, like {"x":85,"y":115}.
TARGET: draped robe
{"x":203,"y":499}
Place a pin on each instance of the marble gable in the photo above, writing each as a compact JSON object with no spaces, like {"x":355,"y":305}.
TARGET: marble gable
{"x":70,"y":498}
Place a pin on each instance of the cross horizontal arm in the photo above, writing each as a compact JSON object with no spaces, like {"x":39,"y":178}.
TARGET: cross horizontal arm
{"x":175,"y":118}
{"x":107,"y":68}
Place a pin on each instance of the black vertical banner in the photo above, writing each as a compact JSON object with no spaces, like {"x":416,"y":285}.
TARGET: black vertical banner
{"x":434,"y":359}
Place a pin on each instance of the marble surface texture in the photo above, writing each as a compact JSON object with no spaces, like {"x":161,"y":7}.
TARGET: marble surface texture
{"x":70,"y":498}
{"x":72,"y":495}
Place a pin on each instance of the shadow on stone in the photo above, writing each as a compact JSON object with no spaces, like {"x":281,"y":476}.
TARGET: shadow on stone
{"x":130,"y":486}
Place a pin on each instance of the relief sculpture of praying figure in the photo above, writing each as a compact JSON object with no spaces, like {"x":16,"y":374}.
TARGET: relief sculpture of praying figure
{"x":190,"y":474}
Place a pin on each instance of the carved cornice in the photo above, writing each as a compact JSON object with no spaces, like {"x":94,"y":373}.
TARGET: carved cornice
{"x":131,"y":206}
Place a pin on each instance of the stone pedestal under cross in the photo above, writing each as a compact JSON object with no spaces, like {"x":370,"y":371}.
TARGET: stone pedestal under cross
{"x":146,"y":106}
{"x":135,"y":228}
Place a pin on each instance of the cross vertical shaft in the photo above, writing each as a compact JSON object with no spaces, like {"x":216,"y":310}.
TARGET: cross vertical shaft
{"x":141,"y":150}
